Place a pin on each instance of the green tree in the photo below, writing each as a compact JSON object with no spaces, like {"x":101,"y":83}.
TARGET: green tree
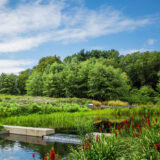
{"x":22,"y":78}
{"x":142,"y":68}
{"x":34,"y":84}
{"x":107,"y":83}
{"x":53,"y":81}
{"x":8,"y":84}
{"x":158,"y":84}
{"x":45,"y":61}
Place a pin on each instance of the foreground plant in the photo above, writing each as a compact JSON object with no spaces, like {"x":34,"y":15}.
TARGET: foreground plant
{"x":129,"y":141}
{"x":50,"y":156}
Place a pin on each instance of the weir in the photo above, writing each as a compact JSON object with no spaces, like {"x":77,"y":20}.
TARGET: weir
{"x":63,"y":138}
{"x":29,"y":131}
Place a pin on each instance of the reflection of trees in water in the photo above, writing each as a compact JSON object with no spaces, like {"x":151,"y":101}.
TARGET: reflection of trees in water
{"x":60,"y":149}
{"x":5,"y":143}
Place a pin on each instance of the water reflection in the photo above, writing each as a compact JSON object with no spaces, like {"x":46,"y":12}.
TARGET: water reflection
{"x":16,"y":150}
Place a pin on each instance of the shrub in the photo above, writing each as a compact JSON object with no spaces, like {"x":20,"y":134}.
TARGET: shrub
{"x":96,"y":103}
{"x":116,"y":103}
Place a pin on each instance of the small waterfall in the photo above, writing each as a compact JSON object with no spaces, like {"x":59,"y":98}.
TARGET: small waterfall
{"x":63,"y":138}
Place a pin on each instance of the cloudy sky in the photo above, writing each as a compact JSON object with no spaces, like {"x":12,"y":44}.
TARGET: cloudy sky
{"x":32,"y":29}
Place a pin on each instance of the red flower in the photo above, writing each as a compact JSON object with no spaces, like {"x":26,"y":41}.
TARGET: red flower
{"x":135,"y":135}
{"x":142,"y":119}
{"x":128,"y":125}
{"x":116,"y":134}
{"x":119,"y":132}
{"x":138,"y":126}
{"x":156,"y":120}
{"x":148,"y":121}
{"x":157,"y":147}
{"x":109,"y":124}
{"x":132,"y":125}
{"x":52,"y":155}
{"x":131,"y":118}
{"x":83,"y":146}
{"x":33,"y":155}
{"x":118,"y":127}
{"x":113,"y":131}
{"x":45,"y":157}
{"x":124,"y":122}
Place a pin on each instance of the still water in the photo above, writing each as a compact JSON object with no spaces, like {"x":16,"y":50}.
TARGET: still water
{"x":12,"y":148}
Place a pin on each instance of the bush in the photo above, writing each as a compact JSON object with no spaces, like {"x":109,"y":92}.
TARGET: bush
{"x":96,"y":103}
{"x":115,"y":103}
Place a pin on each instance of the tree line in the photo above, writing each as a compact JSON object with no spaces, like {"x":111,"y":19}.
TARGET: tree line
{"x":96,"y":74}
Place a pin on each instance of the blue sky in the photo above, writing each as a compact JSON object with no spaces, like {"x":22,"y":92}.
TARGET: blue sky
{"x":32,"y":29}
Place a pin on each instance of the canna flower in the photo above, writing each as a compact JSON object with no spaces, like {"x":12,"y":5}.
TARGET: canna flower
{"x":52,"y":155}
{"x":131,"y":118}
{"x":128,"y":125}
{"x":138,"y":126}
{"x":156,"y":120}
{"x":45,"y":157}
{"x":109,"y":124}
{"x":83,"y":146}
{"x":132,"y":125}
{"x":113,"y":131}
{"x":157,"y":147}
{"x":124,"y":122}
{"x":118,"y":127}
{"x":33,"y":155}
{"x":135,"y":135}
{"x":116,"y":134}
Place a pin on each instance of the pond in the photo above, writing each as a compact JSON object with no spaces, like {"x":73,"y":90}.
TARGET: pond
{"x":17,"y":147}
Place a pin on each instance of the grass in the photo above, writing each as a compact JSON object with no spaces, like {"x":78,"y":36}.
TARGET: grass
{"x":56,"y":120}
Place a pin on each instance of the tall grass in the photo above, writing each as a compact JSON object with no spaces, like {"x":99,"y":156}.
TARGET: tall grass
{"x":57,"y":120}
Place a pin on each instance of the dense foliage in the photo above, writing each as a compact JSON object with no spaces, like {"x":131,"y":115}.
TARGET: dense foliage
{"x":100,"y":75}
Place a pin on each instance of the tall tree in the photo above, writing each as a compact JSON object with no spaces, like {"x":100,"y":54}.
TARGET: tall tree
{"x":8,"y":84}
{"x":22,"y":78}
{"x":34,"y":85}
{"x":107,"y":83}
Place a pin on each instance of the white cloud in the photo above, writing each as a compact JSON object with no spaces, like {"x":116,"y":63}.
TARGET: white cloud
{"x":2,"y":3}
{"x":30,"y":24}
{"x":128,"y":51}
{"x":21,"y":44}
{"x":151,"y":41}
{"x":13,"y":66}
